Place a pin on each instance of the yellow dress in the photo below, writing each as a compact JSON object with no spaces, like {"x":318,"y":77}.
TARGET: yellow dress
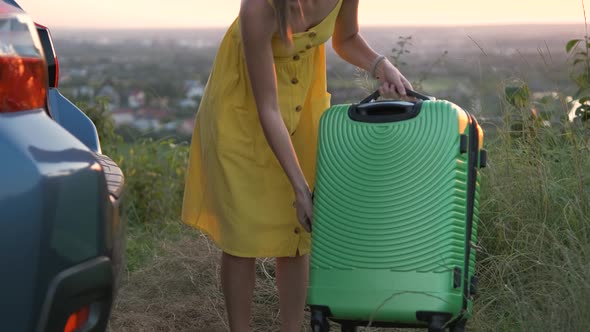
{"x":236,"y":191}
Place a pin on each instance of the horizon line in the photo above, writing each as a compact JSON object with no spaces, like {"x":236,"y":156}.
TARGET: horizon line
{"x":413,"y":25}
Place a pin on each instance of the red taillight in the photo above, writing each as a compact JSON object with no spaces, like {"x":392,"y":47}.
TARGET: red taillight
{"x":77,"y":320}
{"x":23,"y":85}
{"x":23,"y":71}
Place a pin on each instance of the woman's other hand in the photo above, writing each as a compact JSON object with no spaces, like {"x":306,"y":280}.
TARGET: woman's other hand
{"x":392,"y":84}
{"x":304,"y":206}
{"x":352,"y":47}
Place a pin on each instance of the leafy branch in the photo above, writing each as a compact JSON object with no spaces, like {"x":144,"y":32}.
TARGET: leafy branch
{"x":579,"y":51}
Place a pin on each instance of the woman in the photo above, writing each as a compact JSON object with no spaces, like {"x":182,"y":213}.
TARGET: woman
{"x":252,"y":159}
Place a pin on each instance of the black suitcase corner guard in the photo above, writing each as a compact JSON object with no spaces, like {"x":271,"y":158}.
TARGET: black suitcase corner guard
{"x":463,"y":143}
{"x":483,"y":158}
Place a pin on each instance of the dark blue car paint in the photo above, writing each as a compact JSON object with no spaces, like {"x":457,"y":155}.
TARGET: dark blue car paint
{"x":53,"y":223}
{"x":73,"y":120}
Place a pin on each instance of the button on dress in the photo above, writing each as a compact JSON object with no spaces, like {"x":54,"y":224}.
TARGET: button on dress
{"x":236,"y":191}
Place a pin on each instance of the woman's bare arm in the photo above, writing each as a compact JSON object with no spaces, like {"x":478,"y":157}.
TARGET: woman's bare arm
{"x":257,"y":23}
{"x":350,"y":46}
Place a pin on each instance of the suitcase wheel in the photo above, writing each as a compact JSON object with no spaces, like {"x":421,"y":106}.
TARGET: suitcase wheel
{"x":319,"y":321}
{"x":458,"y":326}
{"x":348,"y":328}
{"x":437,"y":323}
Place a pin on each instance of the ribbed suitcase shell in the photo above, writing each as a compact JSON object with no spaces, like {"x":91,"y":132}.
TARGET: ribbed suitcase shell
{"x":390,"y":216}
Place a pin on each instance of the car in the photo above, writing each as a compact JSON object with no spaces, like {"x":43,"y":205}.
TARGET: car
{"x":62,"y":233}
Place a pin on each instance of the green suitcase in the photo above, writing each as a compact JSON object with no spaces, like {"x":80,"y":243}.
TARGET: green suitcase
{"x":395,"y":215}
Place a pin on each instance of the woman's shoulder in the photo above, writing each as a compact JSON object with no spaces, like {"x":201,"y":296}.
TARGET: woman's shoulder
{"x":255,"y":7}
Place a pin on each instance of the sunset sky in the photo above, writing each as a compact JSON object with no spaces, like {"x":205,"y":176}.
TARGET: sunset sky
{"x":220,"y":13}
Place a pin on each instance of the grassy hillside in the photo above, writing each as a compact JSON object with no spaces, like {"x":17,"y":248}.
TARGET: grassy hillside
{"x":534,"y":231}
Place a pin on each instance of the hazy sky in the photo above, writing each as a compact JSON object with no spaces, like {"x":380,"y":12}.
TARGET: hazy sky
{"x":220,"y":13}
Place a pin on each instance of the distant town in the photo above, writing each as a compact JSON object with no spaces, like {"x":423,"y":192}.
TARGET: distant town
{"x":154,"y":80}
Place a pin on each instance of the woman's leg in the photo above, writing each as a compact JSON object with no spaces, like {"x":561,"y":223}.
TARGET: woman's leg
{"x":292,"y":276}
{"x":237,"y":280}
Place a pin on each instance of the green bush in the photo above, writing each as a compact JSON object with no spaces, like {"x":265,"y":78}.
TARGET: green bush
{"x":154,"y":169}
{"x":154,"y":179}
{"x":100,"y":115}
{"x":154,"y":183}
{"x":580,"y":56}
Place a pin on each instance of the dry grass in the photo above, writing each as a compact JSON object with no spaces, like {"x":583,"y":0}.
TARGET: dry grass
{"x":179,"y":290}
{"x":176,"y":291}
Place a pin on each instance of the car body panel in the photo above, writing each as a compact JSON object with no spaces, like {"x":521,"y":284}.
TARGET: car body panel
{"x":54,"y":203}
{"x":73,"y":120}
{"x":86,"y":284}
{"x":62,"y":234}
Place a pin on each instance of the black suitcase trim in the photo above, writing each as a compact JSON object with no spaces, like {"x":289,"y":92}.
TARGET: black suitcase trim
{"x":472,"y":166}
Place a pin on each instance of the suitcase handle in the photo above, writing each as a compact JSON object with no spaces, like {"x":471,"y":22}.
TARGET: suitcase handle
{"x":387,"y":110}
{"x":384,"y":111}
{"x":409,"y":92}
